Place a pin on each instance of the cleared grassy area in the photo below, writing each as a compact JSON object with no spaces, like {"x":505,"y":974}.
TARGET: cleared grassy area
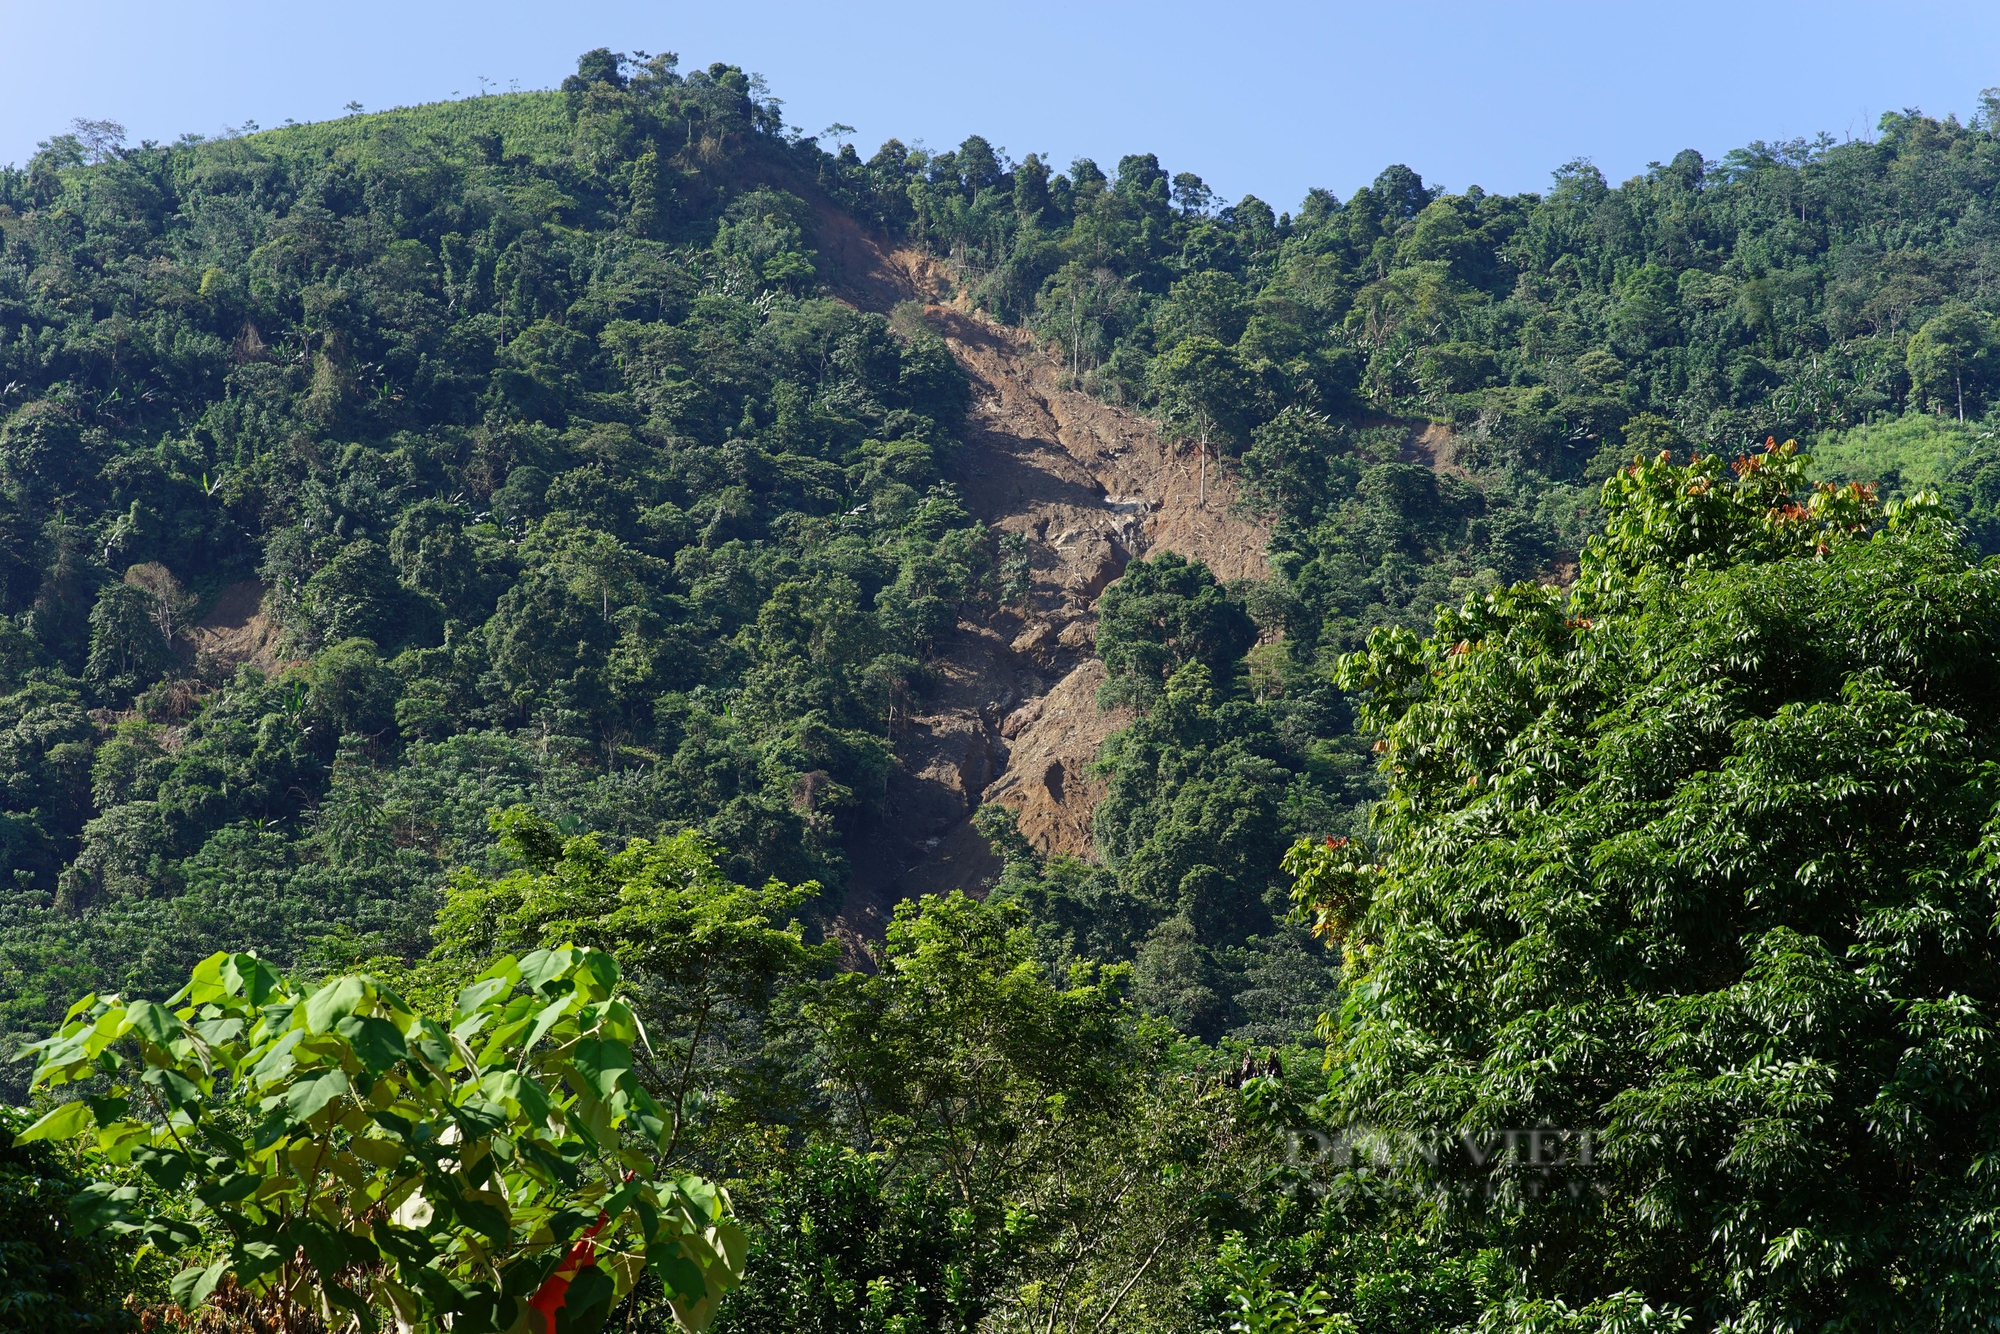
{"x":532,"y":123}
{"x":1903,"y":454}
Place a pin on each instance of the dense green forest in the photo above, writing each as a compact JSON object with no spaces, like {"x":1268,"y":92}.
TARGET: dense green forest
{"x":1557,"y":897}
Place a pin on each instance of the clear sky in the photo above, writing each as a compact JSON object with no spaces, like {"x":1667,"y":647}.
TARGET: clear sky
{"x":1266,"y":99}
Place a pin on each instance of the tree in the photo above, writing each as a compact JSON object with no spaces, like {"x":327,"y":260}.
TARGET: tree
{"x":838,"y":1249}
{"x":60,"y":616}
{"x":702,"y":957}
{"x":170,"y":603}
{"x":126,"y":650}
{"x":101,"y":139}
{"x":1203,"y":797}
{"x":1952,"y":354}
{"x":1082,"y":309}
{"x":334,"y":1153}
{"x":1208,"y":304}
{"x":1293,"y":467}
{"x":48,"y":456}
{"x":356,"y":596}
{"x":986,"y":1086}
{"x":1203,"y":393}
{"x":431,"y":551}
{"x":941,"y":1050}
{"x":1695,"y":857}
{"x":1162,"y":613}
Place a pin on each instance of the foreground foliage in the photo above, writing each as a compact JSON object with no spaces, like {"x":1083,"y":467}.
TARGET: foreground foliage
{"x":333,"y":1151}
{"x":1698,"y":857}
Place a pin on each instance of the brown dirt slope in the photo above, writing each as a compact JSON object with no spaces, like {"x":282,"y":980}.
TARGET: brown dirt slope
{"x":1013,"y":717}
{"x":236,"y":630}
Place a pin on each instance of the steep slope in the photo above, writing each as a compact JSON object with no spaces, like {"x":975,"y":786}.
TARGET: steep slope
{"x":1082,"y":487}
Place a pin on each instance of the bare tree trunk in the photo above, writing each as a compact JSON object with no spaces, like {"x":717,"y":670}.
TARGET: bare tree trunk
{"x":1140,"y":1273}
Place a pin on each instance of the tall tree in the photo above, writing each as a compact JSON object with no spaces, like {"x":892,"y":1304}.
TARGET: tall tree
{"x":1694,"y":859}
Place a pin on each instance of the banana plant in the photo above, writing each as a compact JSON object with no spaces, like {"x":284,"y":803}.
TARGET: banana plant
{"x":333,"y":1152}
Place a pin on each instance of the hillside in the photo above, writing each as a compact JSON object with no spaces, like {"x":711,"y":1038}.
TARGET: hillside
{"x":1083,"y":487}
{"x":1465,"y":720}
{"x":610,"y":450}
{"x":426,"y":385}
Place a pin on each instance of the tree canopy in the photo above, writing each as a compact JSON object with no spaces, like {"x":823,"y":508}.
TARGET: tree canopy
{"x":1695,"y":858}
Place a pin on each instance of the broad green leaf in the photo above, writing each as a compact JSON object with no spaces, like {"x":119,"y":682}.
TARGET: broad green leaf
{"x":518,"y":1089}
{"x":191,"y":1287}
{"x":376,"y":1042}
{"x":206,"y":983}
{"x":227,"y":1189}
{"x":335,"y":1001}
{"x":702,"y":1200}
{"x":681,"y":1275}
{"x":381,"y":1152}
{"x":155,"y":1022}
{"x":603,"y":1064}
{"x":169,"y":1236}
{"x":60,"y":1054}
{"x":620,"y":1201}
{"x":219,"y":1032}
{"x":312,"y":1093}
{"x":482,"y":1216}
{"x":478,"y":1118}
{"x":500,"y":977}
{"x":439,"y":1290}
{"x":72,"y":1118}
{"x":649,"y":1218}
{"x":399,"y":1126}
{"x":603,"y":970}
{"x":587,"y":1302}
{"x":321,"y":1246}
{"x":253,"y":1259}
{"x":110,"y":1026}
{"x":625,"y":1269}
{"x":100,"y":1205}
{"x":403,"y":1244}
{"x":167,"y":1167}
{"x":550,"y":1016}
{"x":476,"y":996}
{"x":734,"y":1244}
{"x":562,"y":1169}
{"x":179,"y":1091}
{"x":407,"y":1305}
{"x":248,"y":976}
{"x":279,"y":1061}
{"x":431,"y":1042}
{"x":544,"y":966}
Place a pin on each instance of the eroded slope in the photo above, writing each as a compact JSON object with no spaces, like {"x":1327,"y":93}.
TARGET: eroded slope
{"x":1013,"y":716}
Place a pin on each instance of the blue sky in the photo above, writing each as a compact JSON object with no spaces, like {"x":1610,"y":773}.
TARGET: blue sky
{"x":1267,"y":99}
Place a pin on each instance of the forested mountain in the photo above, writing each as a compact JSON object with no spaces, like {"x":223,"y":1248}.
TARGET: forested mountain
{"x":545,"y":461}
{"x":468,"y":529}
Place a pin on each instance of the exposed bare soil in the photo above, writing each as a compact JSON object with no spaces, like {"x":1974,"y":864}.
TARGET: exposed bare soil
{"x":235,"y":629}
{"x":1013,"y":717}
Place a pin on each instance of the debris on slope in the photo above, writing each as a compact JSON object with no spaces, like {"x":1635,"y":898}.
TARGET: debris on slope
{"x":1083,"y":487}
{"x":236,"y":630}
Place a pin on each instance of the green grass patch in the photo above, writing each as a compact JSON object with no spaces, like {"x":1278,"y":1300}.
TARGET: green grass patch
{"x":1904,"y":454}
{"x":533,"y":123}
